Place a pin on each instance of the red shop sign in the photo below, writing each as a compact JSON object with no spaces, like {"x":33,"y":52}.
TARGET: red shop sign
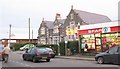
{"x":98,"y":30}
{"x":90,"y":31}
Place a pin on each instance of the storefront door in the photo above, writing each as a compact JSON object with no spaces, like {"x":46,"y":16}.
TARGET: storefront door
{"x":97,"y":44}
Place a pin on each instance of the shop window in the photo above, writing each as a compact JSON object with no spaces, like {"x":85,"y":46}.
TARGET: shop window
{"x":89,"y":39}
{"x":97,"y":35}
{"x":108,"y":39}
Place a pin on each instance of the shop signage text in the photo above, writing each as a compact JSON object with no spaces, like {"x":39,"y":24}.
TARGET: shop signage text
{"x":95,"y":31}
{"x":99,"y":30}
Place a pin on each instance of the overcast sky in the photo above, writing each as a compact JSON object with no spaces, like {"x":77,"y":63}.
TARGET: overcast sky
{"x":17,"y":12}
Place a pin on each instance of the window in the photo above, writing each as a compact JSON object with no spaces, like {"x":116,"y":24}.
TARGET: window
{"x":32,"y":51}
{"x":42,"y":50}
{"x":55,"y":29}
{"x":29,"y":51}
{"x":72,"y":16}
{"x":113,"y":50}
{"x":42,"y":30}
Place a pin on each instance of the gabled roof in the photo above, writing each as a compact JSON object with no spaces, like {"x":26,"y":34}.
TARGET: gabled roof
{"x":92,"y":18}
{"x":49,"y":24}
{"x":61,"y":21}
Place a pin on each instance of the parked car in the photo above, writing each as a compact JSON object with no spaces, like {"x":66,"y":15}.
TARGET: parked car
{"x":110,"y":56}
{"x":35,"y":54}
{"x":27,"y":46}
{"x":51,"y":51}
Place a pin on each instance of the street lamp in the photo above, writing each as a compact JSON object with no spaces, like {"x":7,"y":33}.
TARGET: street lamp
{"x":9,"y":36}
{"x":58,"y":49}
{"x":59,"y":28}
{"x":66,"y":47}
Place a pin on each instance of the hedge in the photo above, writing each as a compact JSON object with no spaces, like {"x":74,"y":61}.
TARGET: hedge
{"x":72,"y":45}
{"x":16,"y":47}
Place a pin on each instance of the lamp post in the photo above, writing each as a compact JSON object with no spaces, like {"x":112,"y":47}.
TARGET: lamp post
{"x":59,"y":33}
{"x":66,"y":47}
{"x":9,"y":35}
{"x":58,"y":49}
{"x":29,"y":31}
{"x":59,"y":29}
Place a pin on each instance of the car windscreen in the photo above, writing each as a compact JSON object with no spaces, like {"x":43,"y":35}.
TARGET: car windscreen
{"x":41,"y":50}
{"x":49,"y":49}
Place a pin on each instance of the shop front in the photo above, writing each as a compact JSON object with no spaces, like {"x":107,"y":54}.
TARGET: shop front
{"x":99,"y":37}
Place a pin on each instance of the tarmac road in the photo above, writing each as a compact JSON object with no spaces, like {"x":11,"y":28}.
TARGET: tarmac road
{"x":15,"y":60}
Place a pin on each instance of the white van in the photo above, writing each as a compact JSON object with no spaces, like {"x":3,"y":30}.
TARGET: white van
{"x":27,"y":46}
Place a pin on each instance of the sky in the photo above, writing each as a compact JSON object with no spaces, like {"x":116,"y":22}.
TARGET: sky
{"x":17,"y":13}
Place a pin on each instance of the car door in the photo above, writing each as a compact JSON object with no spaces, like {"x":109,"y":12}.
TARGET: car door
{"x":26,"y":55}
{"x":106,"y":56}
{"x":113,"y":54}
{"x":118,"y":55}
{"x":32,"y":53}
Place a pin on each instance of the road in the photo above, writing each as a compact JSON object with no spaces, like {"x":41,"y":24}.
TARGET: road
{"x":17,"y":61}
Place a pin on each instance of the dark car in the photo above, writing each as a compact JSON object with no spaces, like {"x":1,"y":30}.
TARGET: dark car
{"x":51,"y":52}
{"x":36,"y":54}
{"x":110,"y":56}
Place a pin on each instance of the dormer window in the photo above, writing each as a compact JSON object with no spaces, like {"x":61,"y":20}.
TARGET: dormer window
{"x":42,"y":30}
{"x":55,"y":29}
{"x":71,"y":15}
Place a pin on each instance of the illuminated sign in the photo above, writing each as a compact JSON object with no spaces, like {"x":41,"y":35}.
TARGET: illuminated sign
{"x":106,"y":29}
{"x":95,"y":31}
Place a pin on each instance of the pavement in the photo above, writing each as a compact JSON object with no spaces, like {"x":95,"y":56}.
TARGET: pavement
{"x":76,"y":57}
{"x":81,"y":57}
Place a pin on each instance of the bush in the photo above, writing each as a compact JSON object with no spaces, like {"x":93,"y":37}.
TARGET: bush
{"x":70,"y":45}
{"x":62,"y":48}
{"x":16,"y":47}
{"x":73,"y":45}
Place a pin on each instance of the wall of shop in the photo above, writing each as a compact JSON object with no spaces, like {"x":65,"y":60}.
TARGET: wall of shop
{"x":99,"y":42}
{"x":99,"y":37}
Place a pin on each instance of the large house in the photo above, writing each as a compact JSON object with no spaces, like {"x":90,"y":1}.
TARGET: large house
{"x":53,"y":32}
{"x":75,"y":18}
{"x":45,"y":32}
{"x":58,"y":31}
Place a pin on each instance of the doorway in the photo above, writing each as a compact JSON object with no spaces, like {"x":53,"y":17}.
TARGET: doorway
{"x":98,"y":44}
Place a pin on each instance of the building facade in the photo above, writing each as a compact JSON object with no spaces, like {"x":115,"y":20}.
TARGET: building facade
{"x":58,"y":31}
{"x":99,"y":37}
{"x":76,"y":18}
{"x":45,"y":32}
{"x":51,"y":32}
{"x":67,"y":29}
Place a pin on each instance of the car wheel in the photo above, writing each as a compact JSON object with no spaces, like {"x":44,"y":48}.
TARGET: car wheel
{"x":48,"y":60}
{"x":24,"y":58}
{"x":34,"y":60}
{"x":100,"y":60}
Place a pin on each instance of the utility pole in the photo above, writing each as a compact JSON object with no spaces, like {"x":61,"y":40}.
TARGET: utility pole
{"x":32,"y":36}
{"x":29,"y":30}
{"x":9,"y":35}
